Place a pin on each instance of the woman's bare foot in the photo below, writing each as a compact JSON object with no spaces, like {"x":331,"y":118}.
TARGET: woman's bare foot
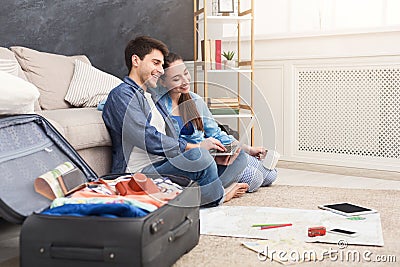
{"x":235,"y":190}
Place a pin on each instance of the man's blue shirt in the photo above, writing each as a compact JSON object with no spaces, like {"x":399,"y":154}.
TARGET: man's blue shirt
{"x":127,"y":116}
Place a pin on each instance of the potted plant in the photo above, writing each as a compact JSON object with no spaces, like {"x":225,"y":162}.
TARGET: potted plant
{"x":228,"y":61}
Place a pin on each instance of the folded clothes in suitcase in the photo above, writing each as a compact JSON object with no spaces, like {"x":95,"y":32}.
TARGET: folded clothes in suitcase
{"x":29,"y":147}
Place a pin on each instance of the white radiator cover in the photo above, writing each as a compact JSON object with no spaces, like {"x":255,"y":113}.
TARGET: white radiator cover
{"x":348,"y":114}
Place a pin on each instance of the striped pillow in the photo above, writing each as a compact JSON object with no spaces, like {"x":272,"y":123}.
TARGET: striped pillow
{"x":89,"y":85}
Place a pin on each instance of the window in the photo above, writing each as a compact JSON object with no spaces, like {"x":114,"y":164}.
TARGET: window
{"x":320,"y":16}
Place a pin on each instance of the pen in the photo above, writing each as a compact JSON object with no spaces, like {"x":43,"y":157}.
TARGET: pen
{"x":271,"y":224}
{"x":275,"y":226}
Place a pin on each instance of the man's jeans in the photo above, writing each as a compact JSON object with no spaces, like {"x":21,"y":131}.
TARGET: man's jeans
{"x":198,"y":165}
{"x":231,"y":174}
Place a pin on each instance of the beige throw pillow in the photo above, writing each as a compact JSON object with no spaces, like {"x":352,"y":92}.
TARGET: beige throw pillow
{"x":51,"y":73}
{"x":89,"y":85}
{"x":16,"y":95}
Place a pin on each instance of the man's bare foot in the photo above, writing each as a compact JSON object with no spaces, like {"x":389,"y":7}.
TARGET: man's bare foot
{"x":235,"y":190}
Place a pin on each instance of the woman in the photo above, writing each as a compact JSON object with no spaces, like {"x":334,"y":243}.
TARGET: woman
{"x":194,"y":121}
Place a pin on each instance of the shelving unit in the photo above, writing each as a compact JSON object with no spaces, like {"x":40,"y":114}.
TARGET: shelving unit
{"x":203,"y":25}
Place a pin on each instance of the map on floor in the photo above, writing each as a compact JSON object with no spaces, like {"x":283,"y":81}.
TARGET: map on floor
{"x":239,"y":221}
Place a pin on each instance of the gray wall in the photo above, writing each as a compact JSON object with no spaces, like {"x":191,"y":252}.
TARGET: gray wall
{"x":99,"y":29}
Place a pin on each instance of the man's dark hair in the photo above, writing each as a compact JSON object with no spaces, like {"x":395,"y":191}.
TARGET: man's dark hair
{"x":142,"y":46}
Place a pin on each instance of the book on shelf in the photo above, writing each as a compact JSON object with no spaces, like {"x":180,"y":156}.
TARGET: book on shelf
{"x":218,"y":54}
{"x":224,"y":111}
{"x":213,"y":55}
{"x":211,"y":51}
{"x":207,"y":56}
{"x":202,"y":49}
{"x":222,"y":100}
{"x":223,"y":106}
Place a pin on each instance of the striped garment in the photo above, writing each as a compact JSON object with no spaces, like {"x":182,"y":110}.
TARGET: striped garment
{"x":256,"y":175}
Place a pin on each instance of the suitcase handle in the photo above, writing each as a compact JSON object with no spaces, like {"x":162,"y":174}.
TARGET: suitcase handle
{"x":77,"y":253}
{"x":180,"y":230}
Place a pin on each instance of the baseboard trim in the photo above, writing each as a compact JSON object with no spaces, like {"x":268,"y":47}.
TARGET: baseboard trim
{"x":378,"y":174}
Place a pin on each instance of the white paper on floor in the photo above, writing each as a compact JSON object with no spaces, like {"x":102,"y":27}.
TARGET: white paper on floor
{"x":237,"y":221}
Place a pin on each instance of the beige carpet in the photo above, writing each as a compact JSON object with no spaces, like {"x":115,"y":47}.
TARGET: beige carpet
{"x":228,"y":251}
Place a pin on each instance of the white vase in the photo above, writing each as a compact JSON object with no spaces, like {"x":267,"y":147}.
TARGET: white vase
{"x":228,"y":64}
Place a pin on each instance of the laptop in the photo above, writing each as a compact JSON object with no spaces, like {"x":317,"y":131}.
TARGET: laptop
{"x":232,"y":148}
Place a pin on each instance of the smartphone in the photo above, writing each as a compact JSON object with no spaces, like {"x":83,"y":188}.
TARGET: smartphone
{"x":343,"y":232}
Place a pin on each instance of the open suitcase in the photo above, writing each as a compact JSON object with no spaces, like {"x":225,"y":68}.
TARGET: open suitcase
{"x":29,"y":147}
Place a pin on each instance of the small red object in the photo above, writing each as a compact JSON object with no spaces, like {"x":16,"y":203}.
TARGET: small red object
{"x":316,"y":231}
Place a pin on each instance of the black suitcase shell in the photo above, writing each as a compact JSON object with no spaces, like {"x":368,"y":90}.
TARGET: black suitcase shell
{"x":31,"y":146}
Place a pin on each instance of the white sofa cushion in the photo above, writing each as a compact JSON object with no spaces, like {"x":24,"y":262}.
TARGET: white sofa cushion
{"x":16,"y":95}
{"x":89,"y":85}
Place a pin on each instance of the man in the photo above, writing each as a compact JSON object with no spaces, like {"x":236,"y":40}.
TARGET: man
{"x":143,"y":137}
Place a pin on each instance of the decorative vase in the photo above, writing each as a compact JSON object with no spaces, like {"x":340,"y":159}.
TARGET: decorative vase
{"x":228,"y":64}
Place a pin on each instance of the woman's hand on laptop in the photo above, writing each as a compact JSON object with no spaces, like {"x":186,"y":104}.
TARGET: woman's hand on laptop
{"x":212,"y":143}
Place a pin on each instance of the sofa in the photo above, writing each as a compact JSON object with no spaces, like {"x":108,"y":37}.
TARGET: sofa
{"x":54,"y":75}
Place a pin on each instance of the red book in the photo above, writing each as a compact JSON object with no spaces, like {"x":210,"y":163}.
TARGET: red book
{"x":218,"y":52}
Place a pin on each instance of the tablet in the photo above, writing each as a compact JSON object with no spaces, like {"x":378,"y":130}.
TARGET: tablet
{"x":347,"y":209}
{"x":233,"y":147}
{"x":230,"y":150}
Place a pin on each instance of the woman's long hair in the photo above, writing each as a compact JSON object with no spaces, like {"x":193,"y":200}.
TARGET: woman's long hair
{"x":186,"y":105}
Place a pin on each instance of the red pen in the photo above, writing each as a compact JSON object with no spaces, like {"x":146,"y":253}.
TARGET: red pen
{"x":275,"y":226}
